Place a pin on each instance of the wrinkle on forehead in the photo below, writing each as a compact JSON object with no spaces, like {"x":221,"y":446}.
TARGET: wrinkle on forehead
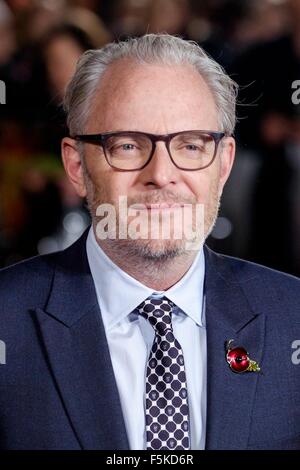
{"x":146,"y":96}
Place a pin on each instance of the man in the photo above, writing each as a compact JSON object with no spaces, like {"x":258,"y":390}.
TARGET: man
{"x":149,"y":342}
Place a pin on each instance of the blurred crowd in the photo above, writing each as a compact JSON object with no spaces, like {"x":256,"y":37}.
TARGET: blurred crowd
{"x":256,"y":41}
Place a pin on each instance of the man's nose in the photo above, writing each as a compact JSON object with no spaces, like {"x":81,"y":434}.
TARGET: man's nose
{"x":160,"y":171}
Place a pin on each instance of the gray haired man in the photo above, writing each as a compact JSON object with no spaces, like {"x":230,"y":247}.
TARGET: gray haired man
{"x":130,"y":339}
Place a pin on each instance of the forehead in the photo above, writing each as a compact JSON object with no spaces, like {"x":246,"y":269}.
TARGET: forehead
{"x":136,"y":96}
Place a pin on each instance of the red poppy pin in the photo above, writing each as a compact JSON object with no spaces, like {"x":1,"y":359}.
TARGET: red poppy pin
{"x":239,"y":360}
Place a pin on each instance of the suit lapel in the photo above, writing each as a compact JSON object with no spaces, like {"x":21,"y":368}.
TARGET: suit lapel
{"x":74,"y":338}
{"x":230,"y":395}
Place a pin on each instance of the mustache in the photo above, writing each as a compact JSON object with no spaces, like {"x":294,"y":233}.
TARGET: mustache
{"x":160,"y":197}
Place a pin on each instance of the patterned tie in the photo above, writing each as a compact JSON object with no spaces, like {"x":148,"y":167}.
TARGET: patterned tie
{"x":167,"y":413}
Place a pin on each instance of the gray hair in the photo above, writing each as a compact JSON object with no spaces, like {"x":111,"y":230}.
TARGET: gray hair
{"x":150,"y":48}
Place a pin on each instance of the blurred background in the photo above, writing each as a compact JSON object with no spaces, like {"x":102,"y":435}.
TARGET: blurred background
{"x":256,"y":41}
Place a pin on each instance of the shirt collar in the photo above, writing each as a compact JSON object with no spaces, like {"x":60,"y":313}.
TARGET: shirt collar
{"x":119,"y":293}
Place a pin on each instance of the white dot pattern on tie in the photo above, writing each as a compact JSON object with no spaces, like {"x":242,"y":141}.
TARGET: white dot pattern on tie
{"x":167,"y":413}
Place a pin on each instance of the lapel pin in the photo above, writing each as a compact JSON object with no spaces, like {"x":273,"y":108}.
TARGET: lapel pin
{"x":239,"y":360}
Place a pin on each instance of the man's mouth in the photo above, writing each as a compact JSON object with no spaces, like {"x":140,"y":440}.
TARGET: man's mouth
{"x":157,"y":206}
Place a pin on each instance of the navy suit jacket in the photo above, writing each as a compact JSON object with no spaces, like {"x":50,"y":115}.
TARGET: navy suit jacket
{"x":57,"y":388}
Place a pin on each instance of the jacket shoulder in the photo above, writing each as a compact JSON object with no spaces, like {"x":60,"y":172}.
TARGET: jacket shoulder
{"x":26,"y":282}
{"x":266,"y":289}
{"x":247,"y":271}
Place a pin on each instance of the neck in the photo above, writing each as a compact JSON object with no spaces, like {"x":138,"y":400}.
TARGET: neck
{"x":159,"y":273}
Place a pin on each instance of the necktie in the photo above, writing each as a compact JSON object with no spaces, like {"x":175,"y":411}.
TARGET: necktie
{"x":167,"y":414}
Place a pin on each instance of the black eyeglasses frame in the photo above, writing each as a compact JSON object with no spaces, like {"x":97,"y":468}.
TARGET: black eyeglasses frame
{"x":100,"y":139}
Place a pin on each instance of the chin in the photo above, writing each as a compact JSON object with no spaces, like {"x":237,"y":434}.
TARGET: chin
{"x":156,"y":250}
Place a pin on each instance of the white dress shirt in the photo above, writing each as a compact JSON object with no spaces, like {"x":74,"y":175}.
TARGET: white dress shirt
{"x":130,"y":338}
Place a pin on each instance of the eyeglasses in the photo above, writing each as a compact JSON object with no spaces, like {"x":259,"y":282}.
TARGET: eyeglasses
{"x":130,"y":150}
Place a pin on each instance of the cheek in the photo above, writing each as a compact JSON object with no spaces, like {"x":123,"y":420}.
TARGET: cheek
{"x":112,"y":185}
{"x":110,"y":182}
{"x":202,"y":187}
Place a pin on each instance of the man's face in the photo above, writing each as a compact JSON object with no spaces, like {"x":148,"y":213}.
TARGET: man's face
{"x":160,"y":100}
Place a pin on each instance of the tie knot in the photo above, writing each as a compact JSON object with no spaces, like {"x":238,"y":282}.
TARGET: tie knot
{"x":158,"y":312}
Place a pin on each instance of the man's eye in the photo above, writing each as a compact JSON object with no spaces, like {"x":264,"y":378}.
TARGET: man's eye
{"x":122,"y":147}
{"x":191,"y":147}
{"x":127,"y":146}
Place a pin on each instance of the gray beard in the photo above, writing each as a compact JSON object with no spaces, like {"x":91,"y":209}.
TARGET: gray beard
{"x":152,"y":252}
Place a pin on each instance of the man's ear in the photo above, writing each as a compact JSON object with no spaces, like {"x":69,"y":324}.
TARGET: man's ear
{"x":73,"y":165}
{"x":227,"y":154}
